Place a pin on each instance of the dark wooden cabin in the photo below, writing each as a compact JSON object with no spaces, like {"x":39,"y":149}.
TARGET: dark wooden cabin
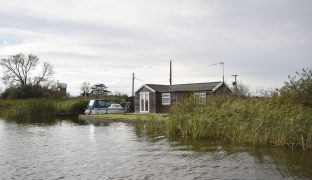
{"x":156,"y":98}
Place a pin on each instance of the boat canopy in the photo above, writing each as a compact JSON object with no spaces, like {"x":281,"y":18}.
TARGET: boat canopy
{"x":98,"y":104}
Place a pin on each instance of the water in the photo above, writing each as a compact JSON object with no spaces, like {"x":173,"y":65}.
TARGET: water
{"x":66,"y":149}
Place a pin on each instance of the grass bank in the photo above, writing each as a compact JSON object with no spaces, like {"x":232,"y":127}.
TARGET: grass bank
{"x":36,"y":108}
{"x":130,"y":116}
{"x":126,"y":117}
{"x":257,"y":121}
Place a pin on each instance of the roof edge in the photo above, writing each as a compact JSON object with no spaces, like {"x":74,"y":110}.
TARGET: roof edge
{"x":197,"y":83}
{"x":144,"y":85}
{"x":219,"y":85}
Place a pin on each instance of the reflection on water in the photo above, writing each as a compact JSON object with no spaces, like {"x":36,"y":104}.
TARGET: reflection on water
{"x":92,"y":133}
{"x":72,"y":149}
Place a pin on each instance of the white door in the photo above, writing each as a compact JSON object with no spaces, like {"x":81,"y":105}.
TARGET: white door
{"x":144,"y":102}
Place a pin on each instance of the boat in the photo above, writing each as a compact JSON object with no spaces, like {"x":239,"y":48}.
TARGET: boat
{"x":101,"y":106}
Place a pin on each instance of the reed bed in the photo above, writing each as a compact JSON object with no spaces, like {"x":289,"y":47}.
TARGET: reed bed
{"x":40,"y":108}
{"x":256,"y":121}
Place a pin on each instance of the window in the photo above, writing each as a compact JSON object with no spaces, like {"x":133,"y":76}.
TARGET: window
{"x":101,"y":103}
{"x":166,"y":99}
{"x":91,"y":103}
{"x":200,"y":97}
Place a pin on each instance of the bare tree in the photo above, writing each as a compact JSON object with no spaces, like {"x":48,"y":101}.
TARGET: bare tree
{"x":241,"y":90}
{"x":46,"y":73}
{"x":85,"y":88}
{"x":18,"y":68}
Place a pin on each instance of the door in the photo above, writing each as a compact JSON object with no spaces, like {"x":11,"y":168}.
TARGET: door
{"x":144,"y":102}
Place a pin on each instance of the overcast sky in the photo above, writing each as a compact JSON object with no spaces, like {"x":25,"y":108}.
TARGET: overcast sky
{"x":105,"y":41}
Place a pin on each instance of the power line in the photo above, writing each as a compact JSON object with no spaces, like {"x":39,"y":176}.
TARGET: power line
{"x":140,"y":80}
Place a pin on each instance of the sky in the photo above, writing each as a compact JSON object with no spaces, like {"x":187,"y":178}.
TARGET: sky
{"x":105,"y":41}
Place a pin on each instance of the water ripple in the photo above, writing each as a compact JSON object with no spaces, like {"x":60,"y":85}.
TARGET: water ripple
{"x":67,"y":150}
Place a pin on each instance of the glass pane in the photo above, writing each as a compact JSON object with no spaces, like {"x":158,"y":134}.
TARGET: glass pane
{"x":142,"y":102}
{"x":202,"y":98}
{"x":146,"y":104}
{"x":101,"y":103}
{"x":91,"y":103}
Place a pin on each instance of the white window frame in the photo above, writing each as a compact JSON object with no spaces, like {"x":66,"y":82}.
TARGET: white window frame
{"x":144,"y":105}
{"x":165,"y":96}
{"x":201,"y":97}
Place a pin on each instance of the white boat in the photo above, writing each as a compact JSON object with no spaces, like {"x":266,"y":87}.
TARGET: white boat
{"x":105,"y":107}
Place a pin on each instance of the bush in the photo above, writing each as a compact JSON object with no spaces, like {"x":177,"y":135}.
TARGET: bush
{"x":78,"y":107}
{"x":73,"y":106}
{"x":299,"y":88}
{"x":30,"y":92}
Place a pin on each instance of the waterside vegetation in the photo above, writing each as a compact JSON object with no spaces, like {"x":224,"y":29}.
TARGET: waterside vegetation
{"x":38,"y":108}
{"x":256,"y":121}
{"x":282,"y":119}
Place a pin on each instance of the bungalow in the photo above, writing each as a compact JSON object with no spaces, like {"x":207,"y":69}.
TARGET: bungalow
{"x":156,"y":98}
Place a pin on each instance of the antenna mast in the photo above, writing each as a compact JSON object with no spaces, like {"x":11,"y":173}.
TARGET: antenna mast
{"x":170,"y":79}
{"x":221,"y":63}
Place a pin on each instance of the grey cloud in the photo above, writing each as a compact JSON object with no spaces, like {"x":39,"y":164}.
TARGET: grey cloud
{"x":263,"y":41}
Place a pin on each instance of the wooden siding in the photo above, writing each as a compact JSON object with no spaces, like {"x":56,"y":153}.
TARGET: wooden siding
{"x":152,"y":100}
{"x":160,"y":107}
{"x":155,"y":98}
{"x":223,"y":90}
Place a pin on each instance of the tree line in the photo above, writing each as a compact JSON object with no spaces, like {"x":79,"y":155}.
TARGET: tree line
{"x":22,"y":82}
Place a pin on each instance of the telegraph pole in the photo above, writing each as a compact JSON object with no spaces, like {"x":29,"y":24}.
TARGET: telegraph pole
{"x":235,"y":82}
{"x":133,"y":84}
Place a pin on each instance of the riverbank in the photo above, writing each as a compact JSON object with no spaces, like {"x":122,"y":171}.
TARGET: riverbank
{"x":254,"y":121}
{"x":127,"y":117}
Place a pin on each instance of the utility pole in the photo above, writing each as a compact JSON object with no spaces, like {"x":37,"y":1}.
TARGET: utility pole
{"x":235,"y":82}
{"x":170,"y":78}
{"x":133,"y":84}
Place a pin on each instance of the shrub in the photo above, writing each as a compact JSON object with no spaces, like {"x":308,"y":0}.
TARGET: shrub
{"x":299,"y":88}
{"x":30,"y":92}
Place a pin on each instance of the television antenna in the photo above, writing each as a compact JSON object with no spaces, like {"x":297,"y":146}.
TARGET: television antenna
{"x":220,"y":63}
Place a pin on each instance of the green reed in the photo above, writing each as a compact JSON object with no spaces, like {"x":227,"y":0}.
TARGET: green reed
{"x":257,"y":121}
{"x":36,"y":108}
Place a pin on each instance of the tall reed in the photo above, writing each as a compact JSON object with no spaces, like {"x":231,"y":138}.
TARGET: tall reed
{"x":25,"y":109}
{"x":40,"y":108}
{"x":257,"y":121}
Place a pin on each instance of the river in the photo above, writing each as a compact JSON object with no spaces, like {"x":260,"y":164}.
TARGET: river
{"x":70,"y":149}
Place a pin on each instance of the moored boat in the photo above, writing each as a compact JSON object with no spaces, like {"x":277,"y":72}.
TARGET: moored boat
{"x":101,"y":106}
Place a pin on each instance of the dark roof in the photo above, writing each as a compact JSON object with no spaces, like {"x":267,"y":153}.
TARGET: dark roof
{"x":159,"y":88}
{"x":209,"y":86}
